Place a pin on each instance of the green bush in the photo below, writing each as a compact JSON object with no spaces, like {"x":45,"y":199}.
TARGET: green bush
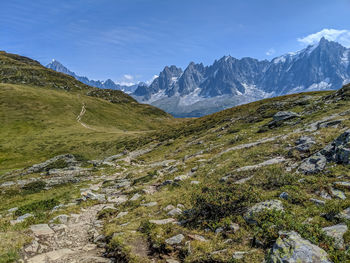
{"x":59,"y":164}
{"x":217,"y":202}
{"x":37,"y":206}
{"x":34,"y":187}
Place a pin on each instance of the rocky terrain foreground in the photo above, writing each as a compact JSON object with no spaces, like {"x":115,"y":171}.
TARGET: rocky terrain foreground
{"x":263,"y":182}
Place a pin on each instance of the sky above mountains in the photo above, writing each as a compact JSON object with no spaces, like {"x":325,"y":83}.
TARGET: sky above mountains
{"x":131,"y":40}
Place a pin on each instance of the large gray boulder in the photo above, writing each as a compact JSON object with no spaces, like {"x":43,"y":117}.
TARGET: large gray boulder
{"x":291,"y":248}
{"x":280,"y":117}
{"x":314,"y":164}
{"x":337,"y":232}
{"x":337,"y":151}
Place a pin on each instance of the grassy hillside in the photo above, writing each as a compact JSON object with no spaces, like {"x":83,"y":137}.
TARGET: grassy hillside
{"x":241,"y":185}
{"x":38,"y":115}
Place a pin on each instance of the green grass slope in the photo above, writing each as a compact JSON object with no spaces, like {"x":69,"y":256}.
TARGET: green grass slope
{"x":39,"y":109}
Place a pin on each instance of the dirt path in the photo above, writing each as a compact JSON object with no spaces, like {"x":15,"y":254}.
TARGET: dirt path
{"x":80,"y":116}
{"x":73,"y":240}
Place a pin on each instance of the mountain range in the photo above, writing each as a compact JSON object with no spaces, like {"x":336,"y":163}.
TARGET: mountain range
{"x":108,"y":84}
{"x":199,"y":90}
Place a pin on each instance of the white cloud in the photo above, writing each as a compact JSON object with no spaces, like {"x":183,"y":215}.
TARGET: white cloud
{"x":151,"y":80}
{"x":128,"y":77}
{"x":340,"y":36}
{"x":270,"y":52}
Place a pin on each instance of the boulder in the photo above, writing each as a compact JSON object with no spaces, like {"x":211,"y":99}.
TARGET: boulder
{"x":291,"y":248}
{"x":250,"y":215}
{"x":314,"y":164}
{"x":337,"y":233}
{"x":304,"y":144}
{"x":338,"y":194}
{"x":175,"y":239}
{"x":280,"y":117}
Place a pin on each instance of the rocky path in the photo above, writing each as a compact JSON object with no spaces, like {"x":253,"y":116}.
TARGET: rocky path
{"x":69,"y":239}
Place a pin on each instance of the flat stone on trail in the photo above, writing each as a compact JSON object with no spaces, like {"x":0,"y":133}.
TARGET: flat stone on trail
{"x":41,"y":230}
{"x":163,"y":221}
{"x":52,"y":255}
{"x":175,"y":239}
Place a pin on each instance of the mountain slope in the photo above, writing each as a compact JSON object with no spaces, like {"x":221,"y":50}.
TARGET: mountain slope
{"x":41,"y":106}
{"x":245,"y":184}
{"x":108,"y":84}
{"x":200,"y":90}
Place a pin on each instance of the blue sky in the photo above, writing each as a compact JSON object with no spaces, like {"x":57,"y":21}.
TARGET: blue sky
{"x":132,"y":40}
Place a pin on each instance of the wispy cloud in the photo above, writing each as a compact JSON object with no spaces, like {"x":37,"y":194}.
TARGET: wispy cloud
{"x":270,"y":52}
{"x":341,"y":36}
{"x":128,"y":77}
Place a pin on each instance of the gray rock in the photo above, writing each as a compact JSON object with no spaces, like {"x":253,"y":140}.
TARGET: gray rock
{"x":121,"y":214}
{"x":345,"y":214}
{"x":219,"y":230}
{"x":117,"y":199}
{"x":284,"y":195}
{"x":181,"y":178}
{"x":197,"y":237}
{"x":63,"y":219}
{"x":337,"y":233}
{"x":304,"y":144}
{"x":282,"y":116}
{"x":194,"y":182}
{"x":314,"y":164}
{"x":135,"y":197}
{"x":175,"y":239}
{"x":291,"y":248}
{"x":338,"y":194}
{"x":175,"y":212}
{"x":68,"y":158}
{"x":21,"y":219}
{"x":150,"y":204}
{"x":250,"y":215}
{"x":327,"y":124}
{"x":318,"y":202}
{"x":169,"y":207}
{"x":163,"y":221}
{"x":41,"y":230}
{"x":343,"y":184}
{"x":11,"y":210}
{"x":239,"y":254}
{"x":93,"y":196}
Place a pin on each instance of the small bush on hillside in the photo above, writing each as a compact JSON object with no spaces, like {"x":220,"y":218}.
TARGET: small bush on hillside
{"x":217,"y":202}
{"x":34,"y":187}
{"x":59,"y":164}
{"x":37,"y":206}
